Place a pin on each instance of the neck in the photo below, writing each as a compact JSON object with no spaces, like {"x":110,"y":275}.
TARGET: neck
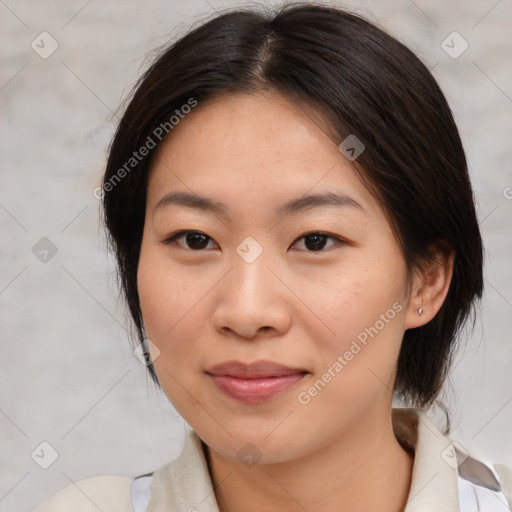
{"x":362,"y":470}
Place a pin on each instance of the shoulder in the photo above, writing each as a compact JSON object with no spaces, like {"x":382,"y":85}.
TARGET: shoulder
{"x":106,"y":493}
{"x":476,"y":482}
{"x":487,"y":484}
{"x":504,"y":473}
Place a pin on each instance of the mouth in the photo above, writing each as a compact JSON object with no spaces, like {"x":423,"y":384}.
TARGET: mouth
{"x":254,"y":383}
{"x":255,"y":370}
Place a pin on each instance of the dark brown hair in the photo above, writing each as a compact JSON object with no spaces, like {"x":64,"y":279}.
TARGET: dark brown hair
{"x":365,"y":83}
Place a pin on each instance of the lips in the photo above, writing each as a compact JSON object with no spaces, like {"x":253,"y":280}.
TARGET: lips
{"x":254,"y":383}
{"x":255,"y":370}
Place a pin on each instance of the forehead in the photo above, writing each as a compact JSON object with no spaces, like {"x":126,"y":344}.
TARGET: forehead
{"x":252,"y":150}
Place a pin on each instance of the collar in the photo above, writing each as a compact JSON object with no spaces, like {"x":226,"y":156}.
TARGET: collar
{"x":185,"y":485}
{"x":434,"y":483}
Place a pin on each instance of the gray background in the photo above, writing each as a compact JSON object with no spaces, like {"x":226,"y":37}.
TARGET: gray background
{"x":68,"y":375}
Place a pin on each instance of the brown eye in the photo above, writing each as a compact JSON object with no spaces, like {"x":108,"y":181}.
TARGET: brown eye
{"x":194,"y":240}
{"x":316,"y":241}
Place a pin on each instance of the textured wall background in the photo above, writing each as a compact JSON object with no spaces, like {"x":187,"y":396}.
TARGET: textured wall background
{"x":68,"y":375}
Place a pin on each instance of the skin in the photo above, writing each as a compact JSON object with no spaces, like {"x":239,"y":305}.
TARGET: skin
{"x":293,"y":305}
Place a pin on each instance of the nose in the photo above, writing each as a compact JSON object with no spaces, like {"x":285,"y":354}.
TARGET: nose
{"x":252,"y":301}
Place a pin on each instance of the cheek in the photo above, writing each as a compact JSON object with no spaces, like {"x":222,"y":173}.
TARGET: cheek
{"x":168,"y":298}
{"x":167,"y":306}
{"x":361,"y":292}
{"x":364,"y":306}
{"x":171,"y":322}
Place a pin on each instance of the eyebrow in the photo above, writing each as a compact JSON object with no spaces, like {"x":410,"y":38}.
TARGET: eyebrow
{"x":337,"y":199}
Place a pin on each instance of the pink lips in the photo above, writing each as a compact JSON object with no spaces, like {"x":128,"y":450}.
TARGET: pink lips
{"x":256,"y":382}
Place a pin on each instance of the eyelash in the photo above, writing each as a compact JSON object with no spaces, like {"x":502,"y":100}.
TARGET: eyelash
{"x":171,"y":239}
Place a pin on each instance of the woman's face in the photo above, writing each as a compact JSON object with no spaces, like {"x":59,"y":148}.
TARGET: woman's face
{"x":251,"y":286}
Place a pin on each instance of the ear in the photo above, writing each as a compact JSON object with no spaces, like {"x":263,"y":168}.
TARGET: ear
{"x":429,"y":288}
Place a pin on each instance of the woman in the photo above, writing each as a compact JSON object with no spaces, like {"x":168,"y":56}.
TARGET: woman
{"x":288,"y":200}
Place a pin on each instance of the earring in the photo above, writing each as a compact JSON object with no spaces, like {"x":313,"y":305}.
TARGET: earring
{"x":419,"y":310}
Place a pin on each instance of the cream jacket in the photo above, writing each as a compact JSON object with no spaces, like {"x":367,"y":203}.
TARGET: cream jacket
{"x":444,"y":479}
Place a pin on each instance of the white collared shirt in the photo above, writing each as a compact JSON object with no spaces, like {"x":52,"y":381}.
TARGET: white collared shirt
{"x":444,"y":479}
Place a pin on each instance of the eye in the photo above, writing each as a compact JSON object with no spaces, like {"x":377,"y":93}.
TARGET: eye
{"x":316,"y":240}
{"x":196,"y":240}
